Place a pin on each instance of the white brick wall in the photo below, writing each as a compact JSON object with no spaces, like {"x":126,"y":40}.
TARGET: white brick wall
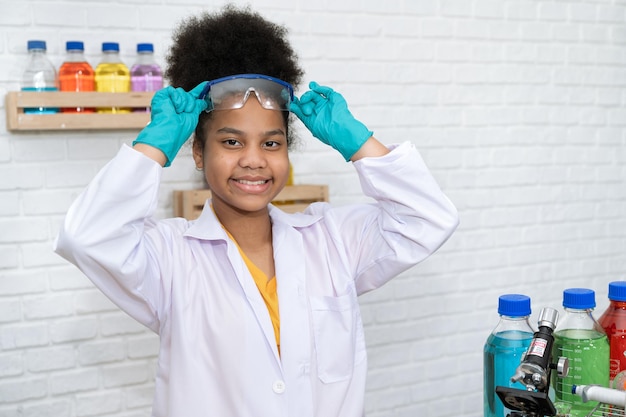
{"x":518,"y":107}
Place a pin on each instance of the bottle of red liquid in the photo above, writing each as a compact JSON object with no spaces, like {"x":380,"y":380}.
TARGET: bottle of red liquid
{"x":613,"y":320}
{"x":76,"y":74}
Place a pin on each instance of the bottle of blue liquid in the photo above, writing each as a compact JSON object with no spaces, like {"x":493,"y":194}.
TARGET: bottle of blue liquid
{"x":504,"y":350}
{"x":39,"y":75}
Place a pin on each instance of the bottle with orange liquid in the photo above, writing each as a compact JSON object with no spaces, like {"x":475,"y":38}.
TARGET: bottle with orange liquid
{"x":76,"y":74}
{"x":112,"y":75}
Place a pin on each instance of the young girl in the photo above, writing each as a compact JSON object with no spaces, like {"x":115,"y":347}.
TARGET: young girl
{"x":256,"y":309}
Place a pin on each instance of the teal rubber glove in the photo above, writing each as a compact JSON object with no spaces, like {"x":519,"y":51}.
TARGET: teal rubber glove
{"x":325,"y":113}
{"x":175,"y":114}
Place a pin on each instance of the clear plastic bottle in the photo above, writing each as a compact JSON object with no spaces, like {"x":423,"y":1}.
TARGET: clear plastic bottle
{"x":290,"y":177}
{"x":112,"y":75}
{"x":581,"y":339}
{"x":613,"y":321}
{"x":39,"y":74}
{"x":504,"y":350}
{"x":76,"y":74}
{"x":145,"y":74}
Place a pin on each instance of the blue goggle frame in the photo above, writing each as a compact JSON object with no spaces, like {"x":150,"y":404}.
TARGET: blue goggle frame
{"x":232,"y":92}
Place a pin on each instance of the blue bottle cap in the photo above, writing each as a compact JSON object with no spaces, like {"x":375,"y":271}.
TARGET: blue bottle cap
{"x":36,"y":45}
{"x":74,"y":46}
{"x":514,"y":305}
{"x":110,"y":46}
{"x":145,"y":47}
{"x":579,"y":298}
{"x":617,"y":291}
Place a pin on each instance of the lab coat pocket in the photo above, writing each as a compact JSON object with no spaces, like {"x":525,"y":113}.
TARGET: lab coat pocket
{"x":335,"y":331}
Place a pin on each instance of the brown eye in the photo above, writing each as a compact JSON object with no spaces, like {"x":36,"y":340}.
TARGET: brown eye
{"x":271,"y":144}
{"x":230,"y":142}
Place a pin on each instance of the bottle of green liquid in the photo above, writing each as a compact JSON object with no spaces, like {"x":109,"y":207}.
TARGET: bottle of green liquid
{"x":580,"y":338}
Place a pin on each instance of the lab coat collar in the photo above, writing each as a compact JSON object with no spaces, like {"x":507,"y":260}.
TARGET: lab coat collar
{"x":208,"y":227}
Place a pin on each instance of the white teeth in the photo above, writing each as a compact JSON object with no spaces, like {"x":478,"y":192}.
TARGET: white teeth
{"x":261,"y":182}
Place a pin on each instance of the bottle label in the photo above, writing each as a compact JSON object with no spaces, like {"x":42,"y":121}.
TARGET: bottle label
{"x":614,"y":366}
{"x":146,"y":82}
{"x":40,"y":110}
{"x":538,"y":347}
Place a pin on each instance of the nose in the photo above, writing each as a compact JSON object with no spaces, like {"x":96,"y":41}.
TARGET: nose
{"x":253,"y":157}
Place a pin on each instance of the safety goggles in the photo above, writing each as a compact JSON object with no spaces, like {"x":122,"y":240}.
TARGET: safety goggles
{"x":232,"y":92}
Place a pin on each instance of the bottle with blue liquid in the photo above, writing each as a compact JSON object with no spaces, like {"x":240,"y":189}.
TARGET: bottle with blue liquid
{"x":504,"y":350}
{"x":39,"y":75}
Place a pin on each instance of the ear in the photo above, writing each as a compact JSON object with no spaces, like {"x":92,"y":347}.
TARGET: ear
{"x":198,"y":154}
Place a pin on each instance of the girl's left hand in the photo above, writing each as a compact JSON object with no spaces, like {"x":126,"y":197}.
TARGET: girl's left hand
{"x":325,"y":113}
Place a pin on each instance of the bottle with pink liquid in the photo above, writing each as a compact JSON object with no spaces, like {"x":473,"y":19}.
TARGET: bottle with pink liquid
{"x":145,"y":74}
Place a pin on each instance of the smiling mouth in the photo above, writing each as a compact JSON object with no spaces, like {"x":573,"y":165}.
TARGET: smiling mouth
{"x":246,"y":182}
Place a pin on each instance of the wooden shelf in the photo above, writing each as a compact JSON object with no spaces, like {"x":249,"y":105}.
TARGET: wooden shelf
{"x":292,"y":199}
{"x":17,"y":120}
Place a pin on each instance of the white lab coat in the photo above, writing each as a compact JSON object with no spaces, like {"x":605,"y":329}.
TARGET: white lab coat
{"x":187,"y":282}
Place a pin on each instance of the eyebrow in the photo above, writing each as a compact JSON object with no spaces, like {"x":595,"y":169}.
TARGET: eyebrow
{"x":234,"y":131}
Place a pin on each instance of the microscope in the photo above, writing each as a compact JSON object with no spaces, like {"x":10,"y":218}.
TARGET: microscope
{"x":534,"y":372}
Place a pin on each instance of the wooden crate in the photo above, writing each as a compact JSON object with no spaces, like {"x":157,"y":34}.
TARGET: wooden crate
{"x":292,"y":199}
{"x":17,"y":120}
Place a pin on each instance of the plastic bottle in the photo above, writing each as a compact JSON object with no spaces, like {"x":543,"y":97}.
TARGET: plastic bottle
{"x":112,"y":75}
{"x":145,"y":74}
{"x":290,"y":177}
{"x":39,"y":74}
{"x":613,"y":321}
{"x":76,"y":74}
{"x":504,"y":349}
{"x":581,"y":339}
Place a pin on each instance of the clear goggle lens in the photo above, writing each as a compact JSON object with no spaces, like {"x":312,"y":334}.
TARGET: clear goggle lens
{"x":232,"y":92}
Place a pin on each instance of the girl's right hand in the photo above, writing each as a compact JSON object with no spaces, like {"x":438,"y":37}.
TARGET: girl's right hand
{"x":174,"y":117}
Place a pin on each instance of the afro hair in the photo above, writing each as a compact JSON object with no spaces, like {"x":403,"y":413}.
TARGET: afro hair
{"x":233,"y":41}
{"x":230,"y":42}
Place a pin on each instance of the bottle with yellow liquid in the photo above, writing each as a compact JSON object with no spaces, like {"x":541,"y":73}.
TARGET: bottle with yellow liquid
{"x":290,"y":178}
{"x":112,"y":75}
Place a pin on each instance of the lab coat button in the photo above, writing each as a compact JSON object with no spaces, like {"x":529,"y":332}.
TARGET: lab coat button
{"x":278,"y":387}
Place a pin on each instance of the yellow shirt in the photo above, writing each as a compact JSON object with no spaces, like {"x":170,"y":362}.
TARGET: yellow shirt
{"x":267,"y":288}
